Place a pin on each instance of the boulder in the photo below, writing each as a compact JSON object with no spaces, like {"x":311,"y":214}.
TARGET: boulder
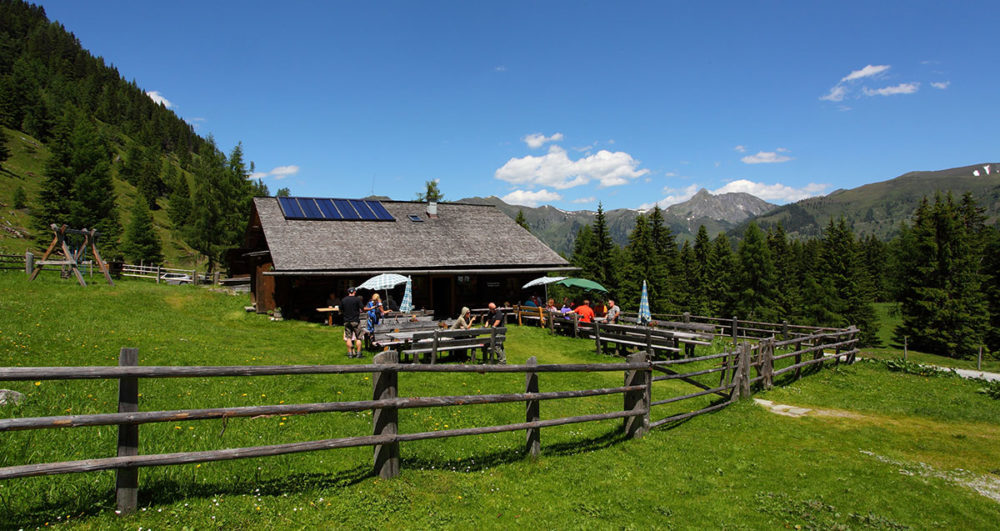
{"x":10,"y":397}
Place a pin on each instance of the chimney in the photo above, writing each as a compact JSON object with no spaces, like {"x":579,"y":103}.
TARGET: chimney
{"x":432,"y":209}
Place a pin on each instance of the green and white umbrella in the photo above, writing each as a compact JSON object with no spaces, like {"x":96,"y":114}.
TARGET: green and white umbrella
{"x":407,"y":305}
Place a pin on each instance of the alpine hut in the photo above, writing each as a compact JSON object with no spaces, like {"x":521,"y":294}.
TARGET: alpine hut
{"x":300,"y":250}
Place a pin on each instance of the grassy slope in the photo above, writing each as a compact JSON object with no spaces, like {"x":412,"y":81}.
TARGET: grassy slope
{"x":741,"y":467}
{"x":26,"y":167}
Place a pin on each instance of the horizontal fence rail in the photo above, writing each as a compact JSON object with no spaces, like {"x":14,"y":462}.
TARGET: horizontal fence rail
{"x":735,"y":369}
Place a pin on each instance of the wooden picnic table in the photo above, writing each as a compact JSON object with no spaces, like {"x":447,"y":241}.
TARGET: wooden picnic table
{"x":329,"y":310}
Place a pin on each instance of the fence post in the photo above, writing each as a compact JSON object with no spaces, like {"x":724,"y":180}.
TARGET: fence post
{"x":687,"y":317}
{"x":194,"y":277}
{"x":157,"y":274}
{"x":29,"y":262}
{"x":744,"y":370}
{"x":532,"y":412}
{"x":576,"y":325}
{"x":735,"y":325}
{"x":127,"y":479}
{"x":784,"y":330}
{"x":384,"y":420}
{"x":552,"y":323}
{"x":215,"y":278}
{"x":905,"y":345}
{"x":979,"y":360}
{"x":767,"y":362}
{"x":597,"y":336}
{"x":637,"y":426}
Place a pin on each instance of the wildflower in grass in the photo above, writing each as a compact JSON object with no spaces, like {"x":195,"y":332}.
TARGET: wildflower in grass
{"x":38,"y":383}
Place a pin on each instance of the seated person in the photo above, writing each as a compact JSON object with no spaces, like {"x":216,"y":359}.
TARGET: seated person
{"x":494,"y":317}
{"x":551,"y":306}
{"x":465,"y":320}
{"x":333,"y":300}
{"x":585,"y":312}
{"x":613,"y":311}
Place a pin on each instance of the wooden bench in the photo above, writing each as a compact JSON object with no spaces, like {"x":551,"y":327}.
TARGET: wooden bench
{"x":380,"y":339}
{"x":688,"y":334}
{"x":430,"y":345}
{"x":623,"y":337}
{"x":533,"y":315}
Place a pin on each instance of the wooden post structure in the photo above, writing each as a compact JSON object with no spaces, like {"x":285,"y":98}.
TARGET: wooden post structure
{"x":636,"y":426}
{"x":29,"y":262}
{"x":597,"y":336}
{"x":784,"y":330}
{"x":743,"y":369}
{"x":552,"y":322}
{"x":905,"y":345}
{"x":72,"y":259}
{"x":979,"y":361}
{"x":767,"y":362}
{"x":385,"y":420}
{"x":687,"y":317}
{"x":735,"y":326}
{"x":576,"y":325}
{"x":533,"y":444}
{"x":127,"y":479}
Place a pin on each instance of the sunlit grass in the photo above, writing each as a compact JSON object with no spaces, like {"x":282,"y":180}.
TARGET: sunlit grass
{"x":740,"y":467}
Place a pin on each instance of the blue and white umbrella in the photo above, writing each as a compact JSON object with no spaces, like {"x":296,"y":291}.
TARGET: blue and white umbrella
{"x":644,"y":315}
{"x":383,"y":281}
{"x":407,"y":305}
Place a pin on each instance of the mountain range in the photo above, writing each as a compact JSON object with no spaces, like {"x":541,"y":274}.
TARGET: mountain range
{"x":876,"y":208}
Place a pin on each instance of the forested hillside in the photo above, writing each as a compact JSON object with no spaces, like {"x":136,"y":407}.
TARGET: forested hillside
{"x":84,"y":147}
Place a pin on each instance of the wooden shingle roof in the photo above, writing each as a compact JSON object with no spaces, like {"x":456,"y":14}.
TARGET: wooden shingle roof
{"x":461,"y":236}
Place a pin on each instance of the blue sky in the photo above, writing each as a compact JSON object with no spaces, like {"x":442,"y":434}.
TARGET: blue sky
{"x":567,"y":103}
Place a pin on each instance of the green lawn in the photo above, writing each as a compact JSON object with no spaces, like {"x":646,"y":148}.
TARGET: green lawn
{"x":893,"y":450}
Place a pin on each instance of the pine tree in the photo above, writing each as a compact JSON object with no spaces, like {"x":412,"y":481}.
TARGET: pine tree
{"x":991,"y":287}
{"x":521,"y":221}
{"x":702,"y":257}
{"x":180,"y":204}
{"x":641,"y":263}
{"x":283,"y":192}
{"x":433,"y":193}
{"x":691,"y":275}
{"x":666,"y":282}
{"x":4,"y":148}
{"x":603,"y":258}
{"x":720,"y":274}
{"x":851,"y":294}
{"x":777,"y":243}
{"x":20,"y":198}
{"x":755,"y":284}
{"x":141,"y":243}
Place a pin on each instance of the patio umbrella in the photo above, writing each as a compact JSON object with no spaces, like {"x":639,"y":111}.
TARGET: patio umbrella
{"x":383,"y":281}
{"x":644,"y":315}
{"x":582,"y":283}
{"x":407,"y":305}
{"x":543,"y":281}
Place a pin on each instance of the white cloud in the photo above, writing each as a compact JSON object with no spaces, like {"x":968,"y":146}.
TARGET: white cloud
{"x":867,"y":71}
{"x":902,"y":88}
{"x":582,"y":200}
{"x":674,"y":196}
{"x":278,"y":173}
{"x":537,"y":140}
{"x":670,"y":174}
{"x":837,"y":93}
{"x":773,"y":192}
{"x":941,"y":84}
{"x":531,"y":199}
{"x":740,"y":148}
{"x":159,"y":99}
{"x":500,"y":68}
{"x":767,"y":157}
{"x":555,"y":169}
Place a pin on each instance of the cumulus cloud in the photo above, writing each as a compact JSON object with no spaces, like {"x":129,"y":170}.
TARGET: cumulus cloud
{"x":902,"y":88}
{"x":740,"y":148}
{"x":278,"y":173}
{"x":159,"y":99}
{"x":500,"y":68}
{"x":868,"y":71}
{"x":773,"y":192}
{"x":767,"y":157}
{"x":582,"y":200}
{"x":537,"y":140}
{"x":941,"y":84}
{"x":530,"y":199}
{"x":555,"y":169}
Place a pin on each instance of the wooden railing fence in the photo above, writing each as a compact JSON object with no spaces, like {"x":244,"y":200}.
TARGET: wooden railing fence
{"x":13,"y":262}
{"x":154,"y":272}
{"x":640,"y":375}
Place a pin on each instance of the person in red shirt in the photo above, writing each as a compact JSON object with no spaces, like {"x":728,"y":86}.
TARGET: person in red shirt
{"x":585,"y":312}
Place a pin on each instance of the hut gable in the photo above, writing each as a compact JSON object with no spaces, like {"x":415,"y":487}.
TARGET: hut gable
{"x":461,"y":236}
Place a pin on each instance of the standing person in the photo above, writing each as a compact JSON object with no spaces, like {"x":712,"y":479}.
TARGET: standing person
{"x":585,"y":312}
{"x":613,"y":311}
{"x":374,"y":309}
{"x":350,"y":308}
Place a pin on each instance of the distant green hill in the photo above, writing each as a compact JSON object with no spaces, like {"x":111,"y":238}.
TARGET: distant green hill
{"x":879,"y":208}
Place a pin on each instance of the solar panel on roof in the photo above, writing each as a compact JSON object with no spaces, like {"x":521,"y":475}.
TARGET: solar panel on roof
{"x":323,"y":209}
{"x":329,"y":211}
{"x":363,"y":210}
{"x":290,"y":207}
{"x":345,"y":208}
{"x":309,"y":208}
{"x":380,"y":212}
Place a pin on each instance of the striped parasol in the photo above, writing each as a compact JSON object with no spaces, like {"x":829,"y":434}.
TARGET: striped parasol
{"x":383,"y":281}
{"x":644,"y":315}
{"x":407,"y":305}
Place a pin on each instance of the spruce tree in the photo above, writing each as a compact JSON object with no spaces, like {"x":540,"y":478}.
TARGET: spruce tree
{"x":777,"y":243}
{"x":851,"y":294}
{"x":141,"y":243}
{"x":720,"y":274}
{"x":991,"y":287}
{"x":521,"y":221}
{"x":603,"y":257}
{"x":641,"y":263}
{"x":4,"y":148}
{"x":667,"y":281}
{"x":691,"y":276}
{"x":432,"y":193}
{"x":283,"y":192}
{"x":180,"y":204}
{"x":20,"y":198}
{"x":702,"y":258}
{"x":755,"y":284}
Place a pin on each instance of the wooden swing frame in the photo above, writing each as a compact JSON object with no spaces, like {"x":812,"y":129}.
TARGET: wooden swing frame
{"x":72,"y":259}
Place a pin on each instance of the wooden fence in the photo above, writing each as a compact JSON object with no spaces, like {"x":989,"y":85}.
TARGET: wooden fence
{"x":12,"y":262}
{"x":640,"y":373}
{"x":153,"y":272}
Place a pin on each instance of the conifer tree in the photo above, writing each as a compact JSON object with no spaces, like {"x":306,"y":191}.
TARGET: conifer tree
{"x":283,"y":192}
{"x":667,"y":282}
{"x":851,"y":294}
{"x":141,"y":243}
{"x":180,"y":203}
{"x":754,"y":287}
{"x":641,"y":263}
{"x":991,"y":287}
{"x":521,"y":221}
{"x":20,"y":198}
{"x":433,"y":193}
{"x":691,"y":276}
{"x":786,"y":295}
{"x":720,"y":272}
{"x":603,"y":258}
{"x":4,"y":148}
{"x":702,"y":257}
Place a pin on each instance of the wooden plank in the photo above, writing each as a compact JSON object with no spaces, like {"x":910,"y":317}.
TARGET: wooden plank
{"x":127,"y":479}
{"x":637,"y":425}
{"x":533,"y":441}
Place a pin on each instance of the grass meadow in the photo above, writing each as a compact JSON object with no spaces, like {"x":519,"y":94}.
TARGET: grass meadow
{"x":887,"y":451}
